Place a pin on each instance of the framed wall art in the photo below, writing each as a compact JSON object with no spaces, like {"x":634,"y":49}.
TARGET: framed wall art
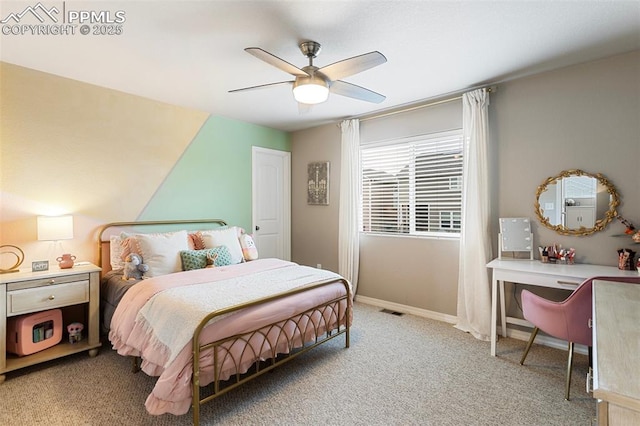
{"x":318,"y":183}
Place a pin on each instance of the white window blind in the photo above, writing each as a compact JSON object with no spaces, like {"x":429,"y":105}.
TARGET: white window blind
{"x":413,"y":185}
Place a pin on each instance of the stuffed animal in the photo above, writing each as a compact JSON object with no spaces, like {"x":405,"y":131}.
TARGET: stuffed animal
{"x":133,"y":267}
{"x":249,"y":249}
{"x":211,"y":260}
{"x":75,"y":332}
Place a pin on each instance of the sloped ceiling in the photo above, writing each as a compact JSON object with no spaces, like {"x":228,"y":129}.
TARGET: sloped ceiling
{"x":190,"y":53}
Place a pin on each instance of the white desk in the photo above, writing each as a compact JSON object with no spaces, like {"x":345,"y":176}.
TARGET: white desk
{"x":534,"y":272}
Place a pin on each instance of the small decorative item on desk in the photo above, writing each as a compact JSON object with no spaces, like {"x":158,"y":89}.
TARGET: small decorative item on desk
{"x":626,"y":259}
{"x":66,"y":261}
{"x":544,"y":254}
{"x":75,"y":332}
{"x":570,"y":256}
{"x":555,"y":253}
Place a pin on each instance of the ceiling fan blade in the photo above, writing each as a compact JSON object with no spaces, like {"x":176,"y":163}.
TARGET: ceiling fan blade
{"x":347,"y":67}
{"x":275,"y":61}
{"x":262,"y":86}
{"x":357,"y":92}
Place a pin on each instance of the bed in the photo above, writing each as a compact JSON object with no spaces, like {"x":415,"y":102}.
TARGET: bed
{"x":205,"y":328}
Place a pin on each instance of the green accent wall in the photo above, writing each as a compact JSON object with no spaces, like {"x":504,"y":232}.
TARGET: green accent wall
{"x":212,"y":178}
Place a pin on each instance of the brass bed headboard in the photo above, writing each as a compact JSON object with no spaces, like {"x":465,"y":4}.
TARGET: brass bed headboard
{"x":105,"y":231}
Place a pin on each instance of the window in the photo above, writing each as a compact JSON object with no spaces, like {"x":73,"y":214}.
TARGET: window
{"x":413,"y":186}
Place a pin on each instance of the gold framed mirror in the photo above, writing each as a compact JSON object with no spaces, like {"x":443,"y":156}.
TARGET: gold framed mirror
{"x":576,"y":202}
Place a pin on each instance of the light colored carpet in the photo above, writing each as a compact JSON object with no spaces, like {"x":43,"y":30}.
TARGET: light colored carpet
{"x":398,"y":371}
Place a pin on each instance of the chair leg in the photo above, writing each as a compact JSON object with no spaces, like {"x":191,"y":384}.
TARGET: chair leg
{"x":569,"y":366}
{"x":531,"y":339}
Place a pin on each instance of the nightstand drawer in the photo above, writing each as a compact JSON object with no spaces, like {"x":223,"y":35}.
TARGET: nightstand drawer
{"x":41,"y":282}
{"x":42,"y":298}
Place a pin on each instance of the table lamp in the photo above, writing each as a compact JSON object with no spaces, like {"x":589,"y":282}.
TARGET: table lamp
{"x":55,"y":228}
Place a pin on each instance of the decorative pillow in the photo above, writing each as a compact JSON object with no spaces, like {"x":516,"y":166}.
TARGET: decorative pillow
{"x":115,"y":253}
{"x":195,"y":241}
{"x":224,"y":237}
{"x":161,"y":252}
{"x":129,"y":246}
{"x":197,"y":259}
{"x":249,"y":249}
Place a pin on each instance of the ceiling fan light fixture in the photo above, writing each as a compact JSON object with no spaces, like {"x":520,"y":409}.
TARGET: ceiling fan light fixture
{"x":312,"y":84}
{"x":311,"y":90}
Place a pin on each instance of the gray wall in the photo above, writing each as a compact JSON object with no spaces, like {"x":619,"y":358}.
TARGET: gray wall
{"x":585,"y":116}
{"x":582,"y":117}
{"x":314,"y":229}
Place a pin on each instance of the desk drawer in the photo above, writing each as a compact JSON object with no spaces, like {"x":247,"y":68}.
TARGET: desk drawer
{"x":542,"y":280}
{"x":42,"y":298}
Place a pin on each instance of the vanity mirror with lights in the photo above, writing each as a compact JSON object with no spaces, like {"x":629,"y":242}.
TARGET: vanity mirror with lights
{"x":576,"y":202}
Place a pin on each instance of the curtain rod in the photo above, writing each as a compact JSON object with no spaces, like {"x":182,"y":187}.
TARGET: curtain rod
{"x":419,"y":106}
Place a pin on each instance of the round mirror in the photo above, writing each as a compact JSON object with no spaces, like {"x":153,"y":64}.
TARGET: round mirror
{"x":576,"y":202}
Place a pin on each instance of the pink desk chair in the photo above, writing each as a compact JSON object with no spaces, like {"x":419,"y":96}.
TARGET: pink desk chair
{"x":567,"y":320}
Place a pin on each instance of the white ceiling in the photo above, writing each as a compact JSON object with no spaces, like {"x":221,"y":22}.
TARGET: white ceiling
{"x":190,"y":53}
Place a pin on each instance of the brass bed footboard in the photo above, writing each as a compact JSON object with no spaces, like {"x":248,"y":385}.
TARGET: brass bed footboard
{"x":301,"y":333}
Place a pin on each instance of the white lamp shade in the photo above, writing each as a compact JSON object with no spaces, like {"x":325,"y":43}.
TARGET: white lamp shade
{"x":311,"y":93}
{"x":54,"y":228}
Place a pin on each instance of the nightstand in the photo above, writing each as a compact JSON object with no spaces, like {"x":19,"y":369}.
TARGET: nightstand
{"x":76,"y":291}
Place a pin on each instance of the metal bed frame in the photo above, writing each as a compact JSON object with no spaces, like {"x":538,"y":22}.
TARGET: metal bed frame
{"x":317,"y":320}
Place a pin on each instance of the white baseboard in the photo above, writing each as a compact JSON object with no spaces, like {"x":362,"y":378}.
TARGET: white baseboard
{"x":407,"y":309}
{"x":452,"y":319}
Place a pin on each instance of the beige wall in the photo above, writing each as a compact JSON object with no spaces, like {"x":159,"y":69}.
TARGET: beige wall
{"x":105,"y":156}
{"x":585,"y":116}
{"x":419,"y":272}
{"x":314,"y":229}
{"x":582,"y":117}
{"x":74,"y":148}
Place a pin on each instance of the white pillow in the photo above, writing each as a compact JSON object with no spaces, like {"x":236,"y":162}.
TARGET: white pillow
{"x":161,"y":252}
{"x":224,"y":237}
{"x":115,"y":252}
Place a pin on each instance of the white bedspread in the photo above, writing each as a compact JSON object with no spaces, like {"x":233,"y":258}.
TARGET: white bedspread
{"x":173,"y":314}
{"x":156,"y":318}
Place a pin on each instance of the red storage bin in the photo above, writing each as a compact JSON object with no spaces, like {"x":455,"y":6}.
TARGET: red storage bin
{"x":28,"y":334}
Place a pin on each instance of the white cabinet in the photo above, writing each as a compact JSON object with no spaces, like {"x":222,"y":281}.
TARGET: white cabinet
{"x":577,"y":217}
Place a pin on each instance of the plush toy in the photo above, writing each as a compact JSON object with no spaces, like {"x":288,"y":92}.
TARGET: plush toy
{"x":211,"y":260}
{"x":133,"y":267}
{"x":75,"y":332}
{"x":249,"y":249}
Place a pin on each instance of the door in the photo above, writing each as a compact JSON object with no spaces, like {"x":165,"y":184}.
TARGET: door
{"x":271,"y":201}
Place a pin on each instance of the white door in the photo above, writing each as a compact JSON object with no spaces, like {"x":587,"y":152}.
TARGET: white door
{"x":271,"y":200}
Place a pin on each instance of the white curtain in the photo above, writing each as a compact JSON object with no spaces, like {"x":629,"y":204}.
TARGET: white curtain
{"x":348,"y":230}
{"x":474,"y":293}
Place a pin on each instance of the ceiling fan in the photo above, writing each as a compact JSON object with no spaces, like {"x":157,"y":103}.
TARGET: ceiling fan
{"x":312,"y":84}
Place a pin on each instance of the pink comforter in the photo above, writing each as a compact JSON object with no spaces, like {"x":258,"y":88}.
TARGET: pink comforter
{"x":131,"y":335}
